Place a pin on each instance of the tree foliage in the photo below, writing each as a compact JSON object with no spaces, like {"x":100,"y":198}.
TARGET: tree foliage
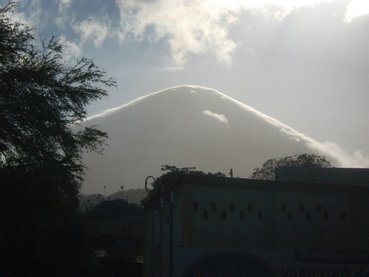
{"x":171,"y":175}
{"x":89,"y":202}
{"x":113,"y":208}
{"x":171,"y":172}
{"x":267,"y":170}
{"x":43,"y":98}
{"x":41,"y":231}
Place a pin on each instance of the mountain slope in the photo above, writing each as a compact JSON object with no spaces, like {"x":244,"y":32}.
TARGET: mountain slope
{"x":189,"y":126}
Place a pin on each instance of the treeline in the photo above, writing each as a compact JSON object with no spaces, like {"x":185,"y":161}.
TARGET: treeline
{"x":113,"y":208}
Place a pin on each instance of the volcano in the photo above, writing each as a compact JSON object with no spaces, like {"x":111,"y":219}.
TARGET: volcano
{"x":188,"y":126}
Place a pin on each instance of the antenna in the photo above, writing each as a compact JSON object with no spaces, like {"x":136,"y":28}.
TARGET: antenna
{"x":231,"y":173}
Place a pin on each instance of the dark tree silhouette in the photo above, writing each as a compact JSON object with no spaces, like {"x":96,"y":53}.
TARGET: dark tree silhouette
{"x":113,"y":208}
{"x":89,"y":202}
{"x":42,"y":100}
{"x":171,"y":173}
{"x":267,"y":170}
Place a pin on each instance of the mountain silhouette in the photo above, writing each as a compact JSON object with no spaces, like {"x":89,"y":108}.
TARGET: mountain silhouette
{"x":188,"y":126}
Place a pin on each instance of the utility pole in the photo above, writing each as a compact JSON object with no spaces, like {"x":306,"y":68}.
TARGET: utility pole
{"x":171,"y":204}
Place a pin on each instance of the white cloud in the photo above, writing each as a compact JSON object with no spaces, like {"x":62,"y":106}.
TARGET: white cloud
{"x":171,"y":68}
{"x":203,"y":26}
{"x":93,"y":29}
{"x":356,"y":8}
{"x":331,"y":150}
{"x":31,"y":18}
{"x":220,"y":117}
{"x":190,"y":27}
{"x":71,"y":50}
{"x":356,"y":159}
{"x":66,"y":15}
{"x":63,"y":4}
{"x":21,"y":18}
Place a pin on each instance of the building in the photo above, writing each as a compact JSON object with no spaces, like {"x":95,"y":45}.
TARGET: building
{"x":200,"y":226}
{"x":324,"y":175}
{"x":124,"y":233}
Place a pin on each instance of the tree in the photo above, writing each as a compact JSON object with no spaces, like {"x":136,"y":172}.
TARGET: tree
{"x":267,"y":170}
{"x":113,"y":208}
{"x":43,"y":99}
{"x":172,"y":173}
{"x":89,"y":202}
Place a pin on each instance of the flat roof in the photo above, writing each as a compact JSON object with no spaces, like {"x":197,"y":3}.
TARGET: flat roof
{"x":326,"y":175}
{"x":252,"y":184}
{"x":272,"y":185}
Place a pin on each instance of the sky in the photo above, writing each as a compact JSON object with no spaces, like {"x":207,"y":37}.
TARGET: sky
{"x":305,"y":63}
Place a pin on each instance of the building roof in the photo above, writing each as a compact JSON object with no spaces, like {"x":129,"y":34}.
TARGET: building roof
{"x":325,"y":175}
{"x":252,"y":184}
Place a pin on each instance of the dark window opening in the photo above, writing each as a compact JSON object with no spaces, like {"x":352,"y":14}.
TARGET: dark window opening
{"x":319,"y":208}
{"x":224,"y":214}
{"x":213,"y":206}
{"x":205,"y":215}
{"x":289,"y":215}
{"x":307,"y":216}
{"x":343,"y":216}
{"x":301,"y":207}
{"x":195,"y":206}
{"x":325,"y":216}
{"x":260,"y":215}
{"x":242,"y":214}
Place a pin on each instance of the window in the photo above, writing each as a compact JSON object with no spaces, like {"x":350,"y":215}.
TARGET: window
{"x":213,"y":206}
{"x":260,"y":215}
{"x":307,"y":216}
{"x":231,"y":206}
{"x":343,"y":216}
{"x":205,"y":215}
{"x":325,"y":216}
{"x":319,"y":208}
{"x":242,"y":214}
{"x":301,"y":207}
{"x":224,"y":214}
{"x":289,"y":215}
{"x":195,"y":206}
